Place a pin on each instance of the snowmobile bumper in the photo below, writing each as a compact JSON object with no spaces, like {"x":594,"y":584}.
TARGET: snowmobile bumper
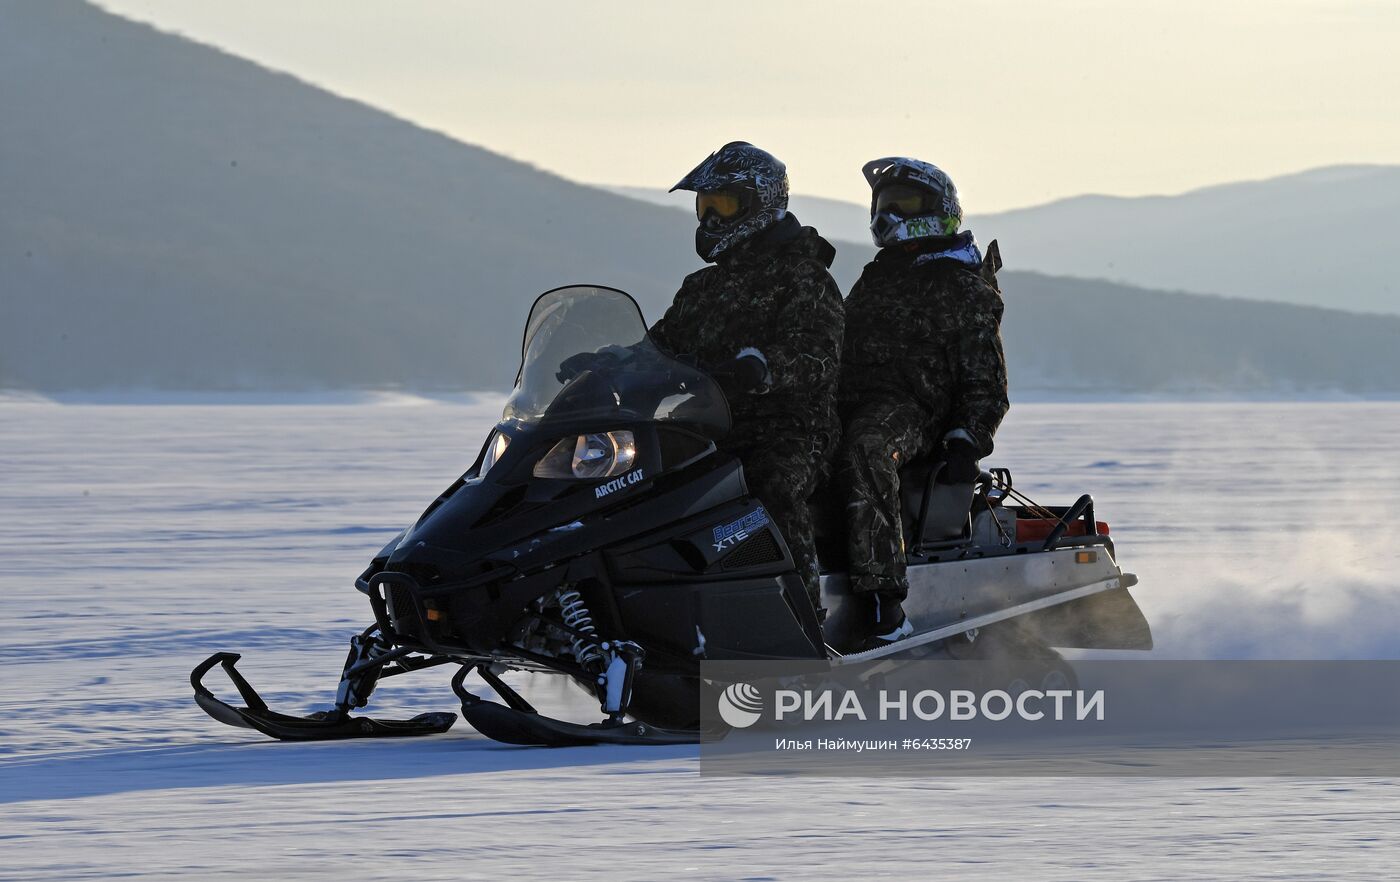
{"x":322,"y":726}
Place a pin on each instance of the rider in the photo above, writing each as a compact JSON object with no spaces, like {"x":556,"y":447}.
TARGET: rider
{"x":922,"y":373}
{"x":765,"y":319}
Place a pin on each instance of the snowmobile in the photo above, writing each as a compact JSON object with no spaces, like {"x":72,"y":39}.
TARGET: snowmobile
{"x":602,"y":535}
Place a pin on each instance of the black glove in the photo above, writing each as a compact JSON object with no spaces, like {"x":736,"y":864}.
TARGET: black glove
{"x":746,"y":373}
{"x":606,"y":357}
{"x":961,"y":458}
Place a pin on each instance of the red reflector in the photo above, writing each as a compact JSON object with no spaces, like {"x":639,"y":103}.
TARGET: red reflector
{"x":1031,"y":529}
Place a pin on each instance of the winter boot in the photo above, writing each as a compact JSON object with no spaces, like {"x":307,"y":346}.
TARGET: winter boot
{"x":886,"y":624}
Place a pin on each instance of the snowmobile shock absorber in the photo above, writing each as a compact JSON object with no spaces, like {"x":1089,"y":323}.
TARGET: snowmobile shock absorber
{"x":369,"y":652}
{"x":578,"y":619}
{"x":615,"y":683}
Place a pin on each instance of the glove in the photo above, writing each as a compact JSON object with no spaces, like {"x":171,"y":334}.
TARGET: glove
{"x":961,"y":458}
{"x":606,"y":357}
{"x":747,"y":373}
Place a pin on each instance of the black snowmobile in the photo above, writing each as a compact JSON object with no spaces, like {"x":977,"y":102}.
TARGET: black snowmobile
{"x":601,"y":535}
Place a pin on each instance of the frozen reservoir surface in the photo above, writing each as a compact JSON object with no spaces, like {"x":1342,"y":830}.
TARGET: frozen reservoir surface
{"x":137,"y":539}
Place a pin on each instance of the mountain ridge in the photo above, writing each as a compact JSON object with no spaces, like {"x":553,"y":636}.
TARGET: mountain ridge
{"x":178,"y":218}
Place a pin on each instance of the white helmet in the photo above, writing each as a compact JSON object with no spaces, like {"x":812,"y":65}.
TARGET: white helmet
{"x":910,"y":199}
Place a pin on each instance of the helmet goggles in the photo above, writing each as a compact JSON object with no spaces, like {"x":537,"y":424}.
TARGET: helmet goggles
{"x":903,"y":200}
{"x":718,"y":206}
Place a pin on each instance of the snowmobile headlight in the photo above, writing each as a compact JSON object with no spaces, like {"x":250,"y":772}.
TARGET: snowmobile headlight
{"x":586,"y":457}
{"x":494,"y":449}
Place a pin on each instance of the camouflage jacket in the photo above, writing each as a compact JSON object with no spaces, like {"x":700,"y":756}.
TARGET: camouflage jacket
{"x":930,"y":332}
{"x":772,"y":294}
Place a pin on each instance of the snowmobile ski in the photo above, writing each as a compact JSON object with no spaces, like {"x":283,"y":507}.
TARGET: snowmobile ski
{"x":321,"y":726}
{"x":520,"y":723}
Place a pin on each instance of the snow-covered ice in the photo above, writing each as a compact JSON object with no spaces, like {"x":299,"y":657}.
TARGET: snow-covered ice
{"x":137,"y":539}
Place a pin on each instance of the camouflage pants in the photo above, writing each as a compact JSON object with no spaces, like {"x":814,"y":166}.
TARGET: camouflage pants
{"x":783,"y":475}
{"x":879,"y":439}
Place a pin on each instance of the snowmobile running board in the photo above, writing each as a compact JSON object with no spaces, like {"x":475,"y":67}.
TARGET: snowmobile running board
{"x":320,"y":726}
{"x":1125,"y":580}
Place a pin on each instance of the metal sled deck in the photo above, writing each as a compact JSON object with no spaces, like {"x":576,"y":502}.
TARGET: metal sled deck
{"x":1117,"y":583}
{"x":1072,"y":598}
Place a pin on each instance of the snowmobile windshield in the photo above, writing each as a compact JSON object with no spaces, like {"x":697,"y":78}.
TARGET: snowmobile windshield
{"x":586,"y":356}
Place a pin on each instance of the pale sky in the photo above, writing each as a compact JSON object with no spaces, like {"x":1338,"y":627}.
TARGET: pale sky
{"x":1021,"y":101}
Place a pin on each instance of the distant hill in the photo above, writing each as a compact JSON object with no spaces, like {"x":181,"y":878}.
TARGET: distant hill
{"x":1322,"y":238}
{"x":1065,"y":336}
{"x":172,"y":217}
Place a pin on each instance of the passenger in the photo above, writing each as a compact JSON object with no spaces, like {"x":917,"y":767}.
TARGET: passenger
{"x":922,"y":373}
{"x":765,"y":319}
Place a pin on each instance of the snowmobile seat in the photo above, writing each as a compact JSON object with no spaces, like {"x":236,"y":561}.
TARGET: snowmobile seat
{"x":944,"y":521}
{"x":934,"y":513}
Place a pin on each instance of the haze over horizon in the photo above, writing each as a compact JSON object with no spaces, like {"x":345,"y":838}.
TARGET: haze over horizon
{"x":1150,"y":99}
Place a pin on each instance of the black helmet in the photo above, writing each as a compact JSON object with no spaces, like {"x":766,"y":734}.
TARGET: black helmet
{"x":740,"y":190}
{"x":910,"y":199}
